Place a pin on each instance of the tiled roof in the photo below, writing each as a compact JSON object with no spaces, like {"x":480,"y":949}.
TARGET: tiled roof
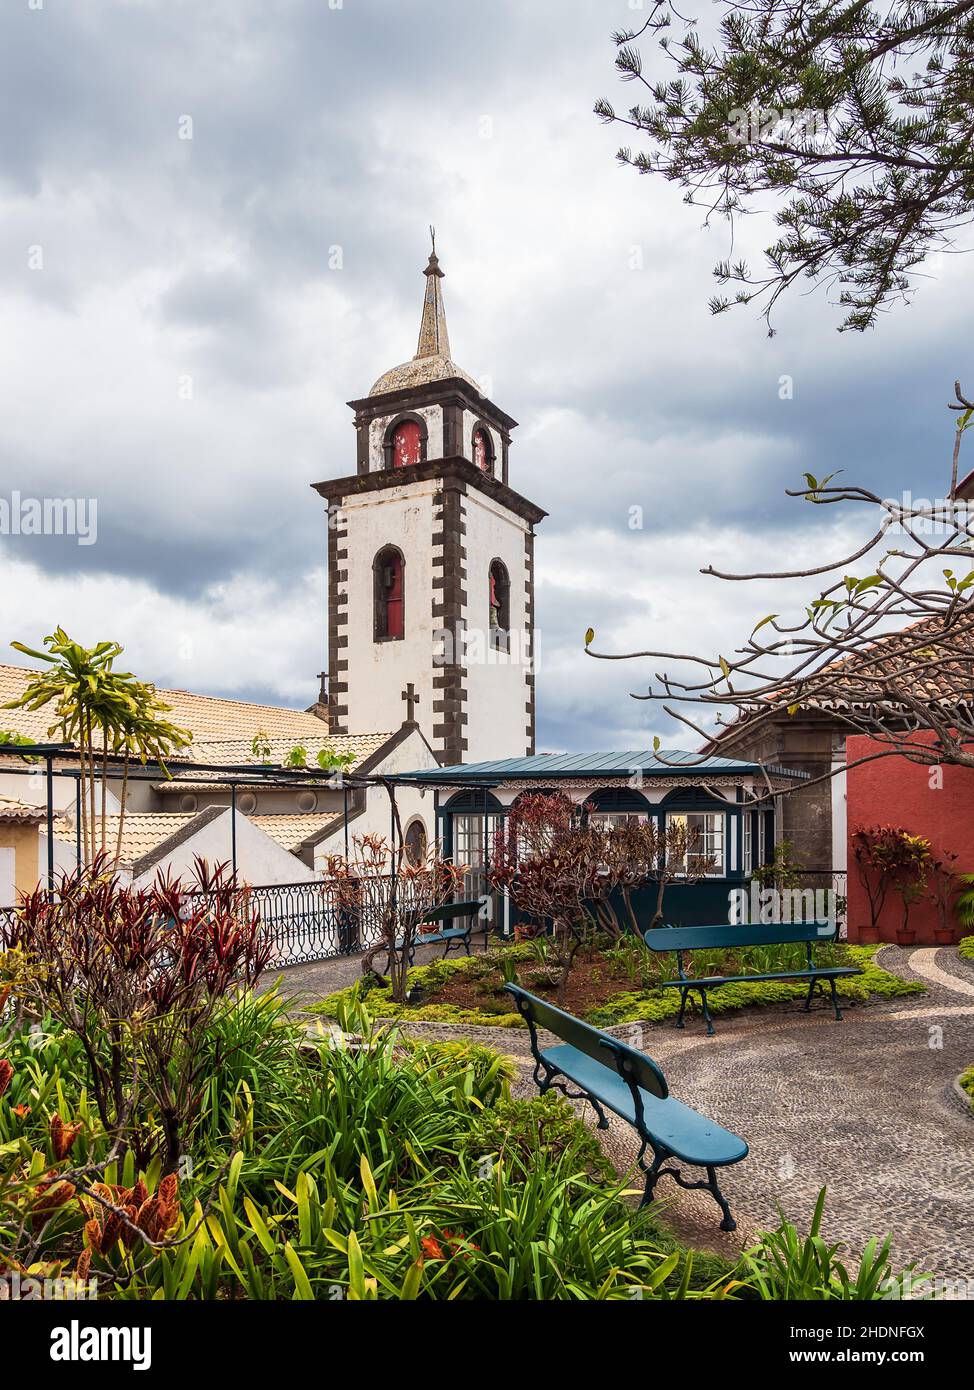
{"x":209,"y":717}
{"x":913,"y":661}
{"x":19,"y":811}
{"x":144,"y":833}
{"x":925,"y":659}
{"x":290,"y":831}
{"x":239,"y":753}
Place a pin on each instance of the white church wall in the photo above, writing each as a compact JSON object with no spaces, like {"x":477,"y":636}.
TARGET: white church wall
{"x":32,"y":790}
{"x":379,"y":671}
{"x":411,"y":755}
{"x":496,"y":683}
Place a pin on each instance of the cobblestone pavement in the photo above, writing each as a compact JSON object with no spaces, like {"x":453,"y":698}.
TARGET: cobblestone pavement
{"x":865,"y":1107}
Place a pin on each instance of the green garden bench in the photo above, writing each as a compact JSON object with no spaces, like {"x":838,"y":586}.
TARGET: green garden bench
{"x":448,"y":936}
{"x":610,"y":1073}
{"x":682,"y":940}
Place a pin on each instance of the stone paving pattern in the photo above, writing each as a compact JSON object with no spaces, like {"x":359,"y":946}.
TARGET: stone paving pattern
{"x":864,"y":1106}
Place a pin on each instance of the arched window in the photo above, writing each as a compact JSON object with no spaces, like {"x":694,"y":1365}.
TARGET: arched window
{"x":387,"y":574}
{"x":500,"y":604}
{"x":615,"y":806}
{"x":414,"y":842}
{"x":483,"y":452}
{"x":405,"y":444}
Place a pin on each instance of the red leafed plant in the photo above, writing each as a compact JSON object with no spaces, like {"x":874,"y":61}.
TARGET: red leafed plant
{"x":572,"y":875}
{"x":543,"y":858}
{"x":136,"y":974}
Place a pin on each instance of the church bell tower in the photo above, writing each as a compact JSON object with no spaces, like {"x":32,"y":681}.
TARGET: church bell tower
{"x":431,"y":562}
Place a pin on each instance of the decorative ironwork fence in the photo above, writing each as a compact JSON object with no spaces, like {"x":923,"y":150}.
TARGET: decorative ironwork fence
{"x":313,"y":921}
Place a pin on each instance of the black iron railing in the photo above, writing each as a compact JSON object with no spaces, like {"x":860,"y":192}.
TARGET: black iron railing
{"x":316,"y":921}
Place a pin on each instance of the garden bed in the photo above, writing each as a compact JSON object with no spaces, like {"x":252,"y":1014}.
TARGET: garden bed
{"x":612,"y":983}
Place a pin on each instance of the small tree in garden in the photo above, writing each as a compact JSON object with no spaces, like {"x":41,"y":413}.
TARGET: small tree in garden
{"x":571,"y":873}
{"x":136,"y":975}
{"x":868,"y":851}
{"x":943,"y":886}
{"x":382,"y":878}
{"x":543,"y":860}
{"x":638,"y":854}
{"x":889,"y":858}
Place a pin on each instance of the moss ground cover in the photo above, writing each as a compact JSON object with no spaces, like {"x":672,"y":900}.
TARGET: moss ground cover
{"x":611,"y":983}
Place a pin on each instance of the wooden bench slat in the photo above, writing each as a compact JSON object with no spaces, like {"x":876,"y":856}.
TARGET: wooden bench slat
{"x":826,"y":972}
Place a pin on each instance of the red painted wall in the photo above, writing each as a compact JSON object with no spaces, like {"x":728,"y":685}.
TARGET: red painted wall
{"x":895,"y":791}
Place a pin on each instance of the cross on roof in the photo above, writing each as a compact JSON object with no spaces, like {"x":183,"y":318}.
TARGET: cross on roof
{"x":412,"y":700}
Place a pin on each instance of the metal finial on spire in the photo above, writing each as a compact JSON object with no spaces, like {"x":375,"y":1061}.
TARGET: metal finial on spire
{"x":434,"y":341}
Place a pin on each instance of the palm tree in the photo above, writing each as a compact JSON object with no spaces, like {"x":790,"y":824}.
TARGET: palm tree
{"x":105,"y":713}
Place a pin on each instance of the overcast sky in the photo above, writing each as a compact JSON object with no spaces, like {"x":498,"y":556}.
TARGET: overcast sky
{"x":183,"y":320}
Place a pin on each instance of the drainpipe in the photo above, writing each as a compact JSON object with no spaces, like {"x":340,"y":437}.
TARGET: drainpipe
{"x":233,"y":827}
{"x":50,"y":826}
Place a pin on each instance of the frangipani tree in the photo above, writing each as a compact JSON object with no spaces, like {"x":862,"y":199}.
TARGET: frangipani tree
{"x":884,"y":644}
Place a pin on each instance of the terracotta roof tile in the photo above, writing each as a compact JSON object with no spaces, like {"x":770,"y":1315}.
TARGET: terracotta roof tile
{"x":239,"y":753}
{"x":210,"y":717}
{"x":11,"y":810}
{"x":290,"y":831}
{"x":142,"y":833}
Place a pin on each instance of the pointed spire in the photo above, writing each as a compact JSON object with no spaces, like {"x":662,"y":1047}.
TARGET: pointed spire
{"x":434,"y":341}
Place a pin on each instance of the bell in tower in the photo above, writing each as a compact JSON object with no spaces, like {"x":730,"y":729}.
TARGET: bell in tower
{"x":431,"y":561}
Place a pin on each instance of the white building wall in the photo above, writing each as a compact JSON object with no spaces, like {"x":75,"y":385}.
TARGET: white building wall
{"x":379,"y":671}
{"x":8,"y":876}
{"x":32,"y":790}
{"x":496,"y":683}
{"x":259,"y":858}
{"x":412,"y":755}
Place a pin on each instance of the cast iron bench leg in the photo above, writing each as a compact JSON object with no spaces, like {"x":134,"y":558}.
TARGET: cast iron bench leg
{"x":728,"y":1223}
{"x":835,"y":1002}
{"x":808,"y":999}
{"x":652,"y":1174}
{"x":683,"y":1005}
{"x":656,"y":1170}
{"x":711,"y":1030}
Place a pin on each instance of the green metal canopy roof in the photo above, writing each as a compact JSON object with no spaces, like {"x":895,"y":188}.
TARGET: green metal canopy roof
{"x":547,"y":767}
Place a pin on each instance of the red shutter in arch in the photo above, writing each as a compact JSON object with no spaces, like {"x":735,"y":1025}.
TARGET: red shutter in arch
{"x":406,"y":444}
{"x":392,"y":583}
{"x":481,"y":451}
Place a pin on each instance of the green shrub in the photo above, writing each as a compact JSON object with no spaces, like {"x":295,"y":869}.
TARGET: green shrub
{"x":787,"y":1266}
{"x":524,"y":1132}
{"x":966,"y":947}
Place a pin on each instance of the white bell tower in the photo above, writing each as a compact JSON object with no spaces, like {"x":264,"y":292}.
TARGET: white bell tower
{"x":431,"y":562}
